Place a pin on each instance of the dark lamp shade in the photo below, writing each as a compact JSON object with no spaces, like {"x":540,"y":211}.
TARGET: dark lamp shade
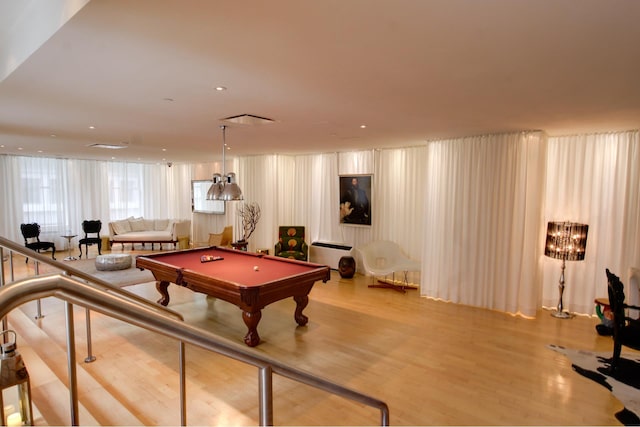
{"x":566,"y":240}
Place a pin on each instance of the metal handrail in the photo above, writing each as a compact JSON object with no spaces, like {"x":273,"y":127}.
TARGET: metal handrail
{"x":119,"y":306}
{"x":68,"y":269}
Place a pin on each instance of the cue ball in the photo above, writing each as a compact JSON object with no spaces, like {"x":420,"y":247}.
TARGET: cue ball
{"x":255,"y":268}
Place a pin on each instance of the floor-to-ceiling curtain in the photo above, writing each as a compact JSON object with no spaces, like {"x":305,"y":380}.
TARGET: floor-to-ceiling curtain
{"x":399,"y":200}
{"x":88,"y":192}
{"x":34,"y":190}
{"x":399,"y":210}
{"x":484,"y":197}
{"x":269,"y":181}
{"x":59,"y":194}
{"x":178,"y":191}
{"x":593,"y":179}
{"x":315,"y":192}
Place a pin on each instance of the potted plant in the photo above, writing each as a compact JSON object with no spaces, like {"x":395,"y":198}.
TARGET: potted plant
{"x":249,"y":213}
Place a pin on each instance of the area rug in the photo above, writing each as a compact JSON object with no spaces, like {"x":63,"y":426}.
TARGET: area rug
{"x":594,"y":366}
{"x":130,"y":276}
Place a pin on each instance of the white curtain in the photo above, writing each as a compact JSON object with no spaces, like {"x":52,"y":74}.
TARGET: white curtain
{"x":270,"y":181}
{"x":59,"y":194}
{"x":88,"y":192}
{"x":315,"y":192}
{"x":35,"y":190}
{"x":149,"y":190}
{"x":304,"y":190}
{"x":178,"y":192}
{"x":399,"y":197}
{"x":484,"y":196}
{"x":399,"y":200}
{"x":593,"y":179}
{"x":473,"y":210}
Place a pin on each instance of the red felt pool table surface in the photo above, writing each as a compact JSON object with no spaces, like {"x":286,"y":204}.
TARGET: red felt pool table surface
{"x":235,"y":279}
{"x":236,"y":266}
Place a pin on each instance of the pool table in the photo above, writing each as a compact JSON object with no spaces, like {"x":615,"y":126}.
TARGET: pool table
{"x":250,"y":281}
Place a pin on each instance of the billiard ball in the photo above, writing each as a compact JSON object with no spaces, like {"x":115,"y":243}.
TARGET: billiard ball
{"x":255,"y":268}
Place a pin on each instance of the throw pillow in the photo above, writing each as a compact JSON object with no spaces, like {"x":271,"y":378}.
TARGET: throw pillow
{"x":121,"y":227}
{"x":137,"y":225}
{"x":161,"y":224}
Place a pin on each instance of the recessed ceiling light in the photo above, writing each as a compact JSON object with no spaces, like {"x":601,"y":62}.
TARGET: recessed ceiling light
{"x":220,"y":88}
{"x":92,"y":127}
{"x":363,"y":126}
{"x":53,"y":135}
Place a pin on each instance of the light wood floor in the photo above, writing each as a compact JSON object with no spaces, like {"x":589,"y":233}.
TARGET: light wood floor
{"x":434,"y":363}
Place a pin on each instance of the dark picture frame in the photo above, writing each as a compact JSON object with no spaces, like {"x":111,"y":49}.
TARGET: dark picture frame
{"x":355,"y":199}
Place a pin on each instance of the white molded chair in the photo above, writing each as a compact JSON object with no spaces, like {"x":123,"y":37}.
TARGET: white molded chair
{"x":382,"y":258}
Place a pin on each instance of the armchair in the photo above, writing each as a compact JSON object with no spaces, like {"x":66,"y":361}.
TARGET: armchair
{"x":626,"y":331}
{"x":291,"y":243}
{"x":91,"y":227}
{"x":222,"y":239}
{"x":382,"y":258}
{"x":31,"y":234}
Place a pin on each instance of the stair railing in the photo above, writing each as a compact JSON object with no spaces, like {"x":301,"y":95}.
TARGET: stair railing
{"x":125,"y":307}
{"x":69,"y":270}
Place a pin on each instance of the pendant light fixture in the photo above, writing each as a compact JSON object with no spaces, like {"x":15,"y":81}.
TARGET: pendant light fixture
{"x":224,"y":185}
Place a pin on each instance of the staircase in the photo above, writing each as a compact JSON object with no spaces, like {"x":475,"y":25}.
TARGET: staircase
{"x":46,"y":361}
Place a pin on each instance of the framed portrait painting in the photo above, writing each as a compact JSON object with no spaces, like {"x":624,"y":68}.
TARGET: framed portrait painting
{"x":355,"y":199}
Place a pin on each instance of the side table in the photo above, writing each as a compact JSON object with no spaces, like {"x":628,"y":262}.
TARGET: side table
{"x":69,"y":237}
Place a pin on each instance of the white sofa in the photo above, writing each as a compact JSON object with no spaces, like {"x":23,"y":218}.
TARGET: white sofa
{"x":140,"y":230}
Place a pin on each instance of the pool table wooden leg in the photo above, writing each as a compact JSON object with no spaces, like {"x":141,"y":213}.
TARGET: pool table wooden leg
{"x":162,"y":286}
{"x":301,"y":303}
{"x":251,"y":319}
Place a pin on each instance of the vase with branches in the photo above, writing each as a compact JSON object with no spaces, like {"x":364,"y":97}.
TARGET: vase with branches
{"x":249,"y":213}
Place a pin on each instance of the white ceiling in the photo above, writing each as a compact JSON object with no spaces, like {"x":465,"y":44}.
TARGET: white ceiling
{"x":410,"y":70}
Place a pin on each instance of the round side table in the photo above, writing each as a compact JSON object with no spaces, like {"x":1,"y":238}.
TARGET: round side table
{"x":69,"y":237}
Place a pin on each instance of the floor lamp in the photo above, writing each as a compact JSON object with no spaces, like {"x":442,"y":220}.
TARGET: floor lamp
{"x":566,"y":241}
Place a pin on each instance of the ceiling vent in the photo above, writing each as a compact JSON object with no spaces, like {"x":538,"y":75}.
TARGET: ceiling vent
{"x":248,"y":119}
{"x":108,"y":146}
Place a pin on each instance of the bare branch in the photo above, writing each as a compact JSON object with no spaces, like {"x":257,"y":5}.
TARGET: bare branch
{"x":250,"y":215}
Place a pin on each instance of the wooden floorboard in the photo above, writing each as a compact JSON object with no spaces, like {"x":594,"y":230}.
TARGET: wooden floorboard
{"x":434,"y":363}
